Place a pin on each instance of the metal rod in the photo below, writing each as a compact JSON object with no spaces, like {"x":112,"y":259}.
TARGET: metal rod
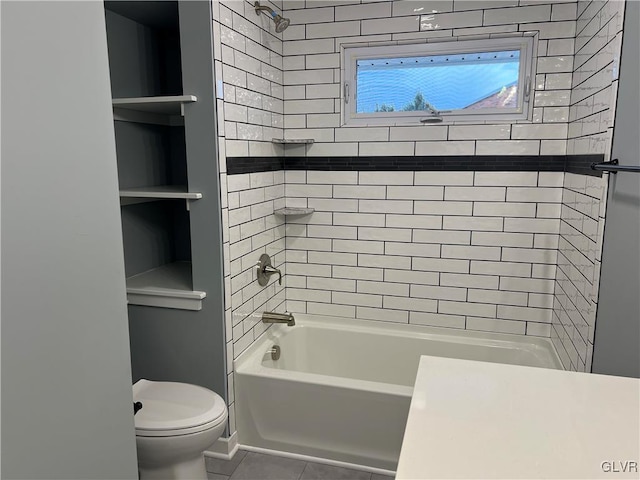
{"x":613,"y":167}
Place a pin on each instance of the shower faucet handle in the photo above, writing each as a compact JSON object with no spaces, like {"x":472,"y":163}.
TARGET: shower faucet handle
{"x":264,"y":270}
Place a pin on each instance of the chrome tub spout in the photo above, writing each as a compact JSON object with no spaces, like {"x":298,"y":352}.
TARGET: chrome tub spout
{"x":273,"y":317}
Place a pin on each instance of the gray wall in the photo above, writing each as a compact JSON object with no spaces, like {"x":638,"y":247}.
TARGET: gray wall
{"x":66,"y":375}
{"x":171,"y":344}
{"x":617,"y":335}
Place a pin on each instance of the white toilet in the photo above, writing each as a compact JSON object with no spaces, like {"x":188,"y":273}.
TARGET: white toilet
{"x":176,"y":424}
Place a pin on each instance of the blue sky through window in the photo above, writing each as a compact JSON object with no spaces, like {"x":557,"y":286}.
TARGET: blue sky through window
{"x":447,"y":82}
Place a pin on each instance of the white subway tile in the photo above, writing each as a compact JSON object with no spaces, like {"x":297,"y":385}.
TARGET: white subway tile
{"x":359,"y":191}
{"x":412,"y":277}
{"x":383,"y":288}
{"x":357,"y":273}
{"x":538,"y":329}
{"x":348,"y":311}
{"x":472,"y":223}
{"x":309,"y":191}
{"x":439,"y":293}
{"x":443,"y":178}
{"x":385,"y":315}
{"x":502,"y":239}
{"x":361,"y":12}
{"x":440,"y":265}
{"x":478,"y":132}
{"x":403,"y":149}
{"x":328,"y":283}
{"x":531,"y":225}
{"x":361,"y":134}
{"x":437,"y":320}
{"x":498,"y":326}
{"x":332,"y":177}
{"x":384,"y":261}
{"x":423,"y":132}
{"x":331,"y":30}
{"x":386,"y":234}
{"x":384,"y":206}
{"x":539,"y":131}
{"x":359,"y":219}
{"x":385,"y":178}
{"x":497,"y":297}
{"x":358,"y":299}
{"x":500,"y":179}
{"x":412,"y":249}
{"x":542,"y":315}
{"x":332,"y":149}
{"x":415,"y":193}
{"x":484,"y":194}
{"x":329,"y":258}
{"x":470,"y":252}
{"x":413,"y":221}
{"x":358,"y":246}
{"x":507,"y":147}
{"x":503,"y":268}
{"x":438,"y":21}
{"x":411,"y":304}
{"x":322,"y":231}
{"x":307,"y":294}
{"x":446,"y":148}
{"x":526,"y":285}
{"x":471,"y":281}
{"x":333,"y":205}
{"x":444,"y":208}
{"x":534,"y":255}
{"x":466,"y":308}
{"x":442,"y":236}
{"x":534,"y":194}
{"x":389,"y":25}
{"x":504,"y":209}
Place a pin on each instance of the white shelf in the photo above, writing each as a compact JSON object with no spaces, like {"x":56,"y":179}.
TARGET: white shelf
{"x":169,"y":286}
{"x":292,"y":211}
{"x":167,"y":110}
{"x":160,"y":192}
{"x":296,"y":141}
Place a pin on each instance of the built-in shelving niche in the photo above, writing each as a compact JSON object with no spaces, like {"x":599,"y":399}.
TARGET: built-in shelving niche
{"x":149,"y":107}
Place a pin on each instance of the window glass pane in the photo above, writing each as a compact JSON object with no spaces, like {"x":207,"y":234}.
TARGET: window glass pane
{"x":444,"y":82}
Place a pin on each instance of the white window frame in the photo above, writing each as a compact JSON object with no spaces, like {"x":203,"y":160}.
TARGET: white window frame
{"x":526,"y":44}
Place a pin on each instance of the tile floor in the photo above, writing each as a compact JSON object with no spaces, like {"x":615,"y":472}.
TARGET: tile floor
{"x":257,"y":466}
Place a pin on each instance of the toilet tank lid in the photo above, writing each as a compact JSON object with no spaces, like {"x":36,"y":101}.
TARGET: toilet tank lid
{"x":175,"y":406}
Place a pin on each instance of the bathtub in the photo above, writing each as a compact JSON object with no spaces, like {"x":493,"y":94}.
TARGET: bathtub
{"x":341,"y":388}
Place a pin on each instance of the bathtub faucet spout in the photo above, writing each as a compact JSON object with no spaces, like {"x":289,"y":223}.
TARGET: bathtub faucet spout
{"x":273,"y":317}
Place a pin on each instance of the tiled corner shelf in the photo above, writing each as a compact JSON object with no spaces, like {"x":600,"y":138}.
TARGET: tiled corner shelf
{"x":293,"y":211}
{"x":296,"y":141}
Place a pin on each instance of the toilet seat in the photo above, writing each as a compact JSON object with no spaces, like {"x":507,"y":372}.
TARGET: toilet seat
{"x":172,"y":409}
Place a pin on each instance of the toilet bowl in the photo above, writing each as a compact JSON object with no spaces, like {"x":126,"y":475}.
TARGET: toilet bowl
{"x":176,"y":423}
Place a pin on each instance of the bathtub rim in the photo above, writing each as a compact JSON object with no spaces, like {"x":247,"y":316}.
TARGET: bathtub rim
{"x":249,"y":362}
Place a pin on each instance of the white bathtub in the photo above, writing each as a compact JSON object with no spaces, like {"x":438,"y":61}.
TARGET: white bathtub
{"x":341,"y":388}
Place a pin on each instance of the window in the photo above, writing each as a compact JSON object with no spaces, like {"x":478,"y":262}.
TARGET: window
{"x":434,"y":82}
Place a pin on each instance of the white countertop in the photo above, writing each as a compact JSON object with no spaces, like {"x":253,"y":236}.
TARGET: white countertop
{"x":473,"y":419}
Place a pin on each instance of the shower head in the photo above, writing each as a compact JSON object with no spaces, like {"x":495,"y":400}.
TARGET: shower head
{"x":281,"y":22}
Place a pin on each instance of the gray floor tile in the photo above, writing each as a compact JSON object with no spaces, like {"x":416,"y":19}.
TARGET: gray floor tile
{"x":256,"y":466}
{"x":216,"y":476}
{"x":318,"y":471}
{"x":377,"y":476}
{"x":224,"y":467}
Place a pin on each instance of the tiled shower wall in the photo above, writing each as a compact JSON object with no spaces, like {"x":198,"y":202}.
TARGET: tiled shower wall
{"x":591,"y":114}
{"x":248,"y":64}
{"x":473,"y":250}
{"x":312,"y":65}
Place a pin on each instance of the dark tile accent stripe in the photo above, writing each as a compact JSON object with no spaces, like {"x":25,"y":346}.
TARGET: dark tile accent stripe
{"x":580,"y":164}
{"x":236,"y":165}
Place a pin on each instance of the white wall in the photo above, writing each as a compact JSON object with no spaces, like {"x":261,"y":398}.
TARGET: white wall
{"x":591,"y":114}
{"x":66,"y":375}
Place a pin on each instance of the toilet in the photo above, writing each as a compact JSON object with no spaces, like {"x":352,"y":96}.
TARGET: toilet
{"x":176,"y":423}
